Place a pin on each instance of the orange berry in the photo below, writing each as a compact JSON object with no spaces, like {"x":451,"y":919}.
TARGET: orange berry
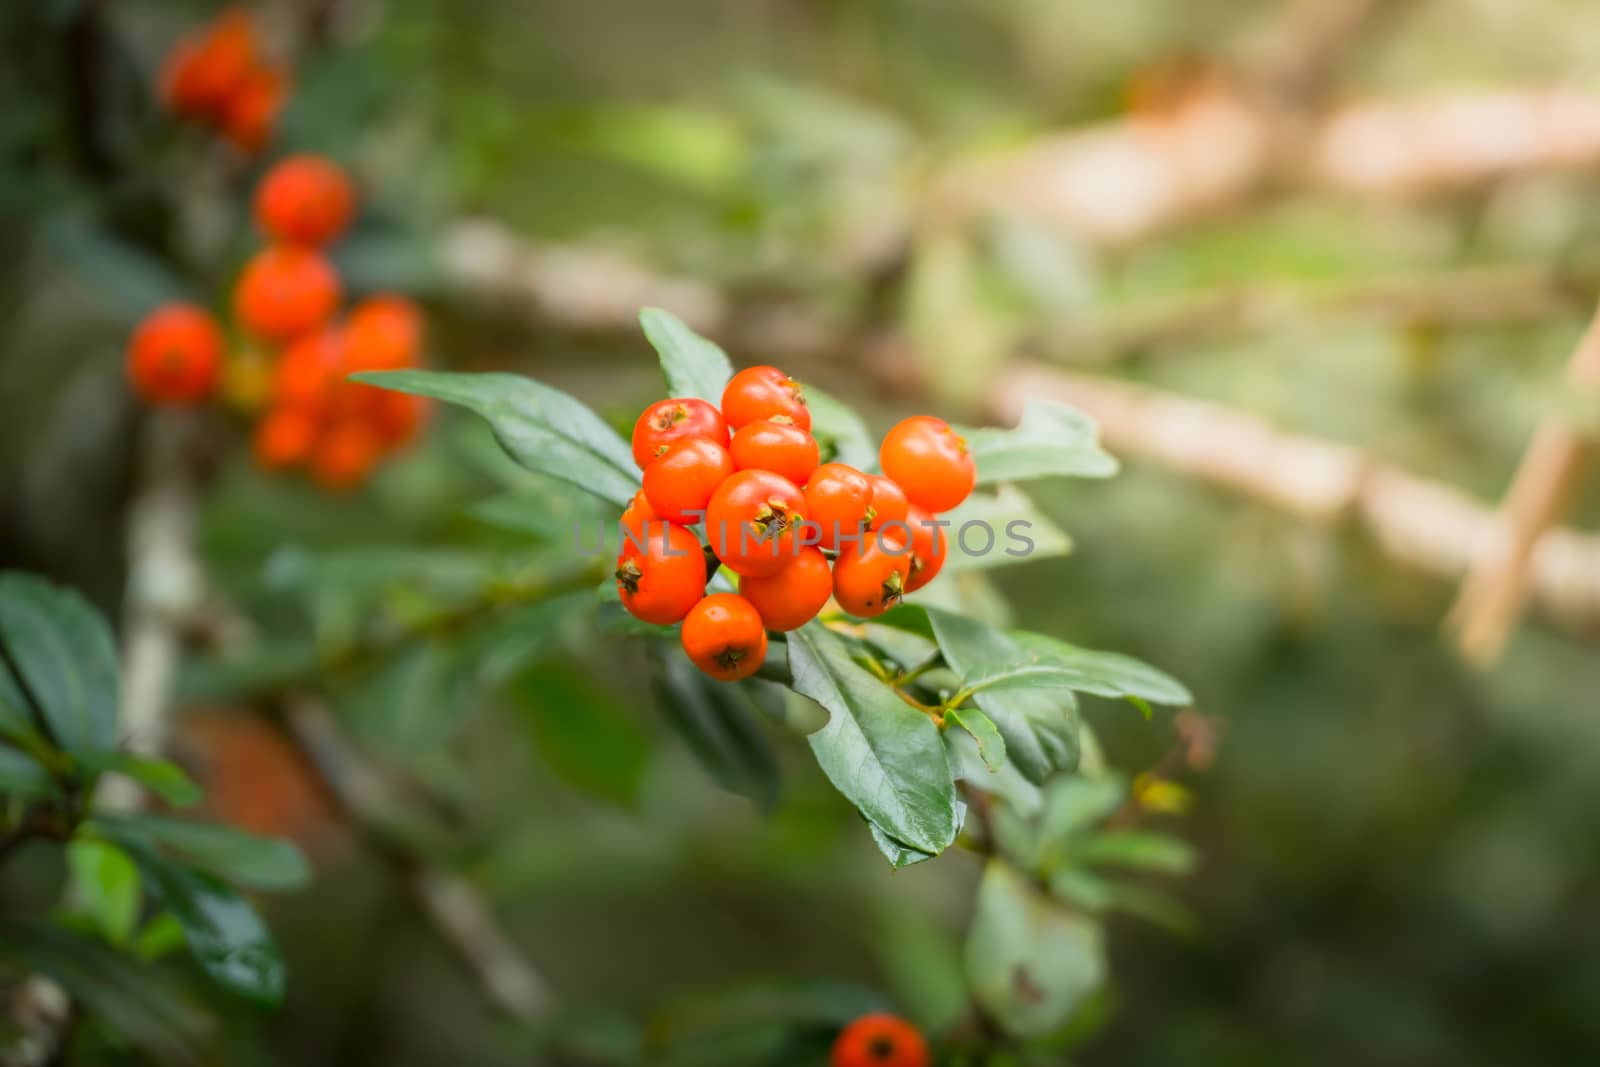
{"x":929,"y":547}
{"x":284,"y":438}
{"x":930,"y":461}
{"x":724,"y":637}
{"x":384,"y":333}
{"x":879,"y":1040}
{"x":776,"y":445}
{"x":344,"y":455}
{"x":251,"y":114}
{"x":662,"y":575}
{"x":837,"y":499}
{"x":889,"y":503}
{"x":205,"y":69}
{"x":304,"y":199}
{"x":637,"y":516}
{"x":175,"y":355}
{"x":757,"y":393}
{"x":869,"y":576}
{"x":305,"y":373}
{"x":286,"y":291}
{"x":792,"y":597}
{"x":398,"y":417}
{"x":679,"y":484}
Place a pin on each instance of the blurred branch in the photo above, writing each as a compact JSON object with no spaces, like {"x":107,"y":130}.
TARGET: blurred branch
{"x":1297,"y":56}
{"x":1419,"y":523}
{"x":1496,"y":586}
{"x":452,"y":904}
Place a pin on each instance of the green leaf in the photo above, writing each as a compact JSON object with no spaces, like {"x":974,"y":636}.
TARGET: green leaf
{"x":898,"y":854}
{"x":1030,"y":961}
{"x":1107,"y":674}
{"x":1071,"y":804}
{"x":105,"y":885}
{"x":225,"y":935}
{"x":541,"y":428}
{"x":714,"y":722}
{"x":1092,"y":892}
{"x":1022,"y":532}
{"x":1051,"y":439}
{"x":23,"y":776}
{"x":884,"y":756}
{"x":991,"y":746}
{"x":694,"y":366}
{"x":1137,"y":849}
{"x":1039,"y":723}
{"x":1005,"y":781}
{"x":839,"y":430}
{"x":162,"y":777}
{"x":141,"y":1003}
{"x":582,"y":732}
{"x":248,"y":859}
{"x":61,"y":653}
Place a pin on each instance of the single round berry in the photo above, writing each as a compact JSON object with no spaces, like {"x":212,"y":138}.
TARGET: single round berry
{"x":753,"y":522}
{"x":869,"y":577}
{"x":284,"y":438}
{"x":776,"y":445}
{"x":344,"y":455}
{"x":758,"y":393}
{"x":305,"y":199}
{"x":675,"y":419}
{"x":724,"y":637}
{"x":929,"y":547}
{"x":930,"y":461}
{"x":286,"y":291}
{"x":679,"y":485}
{"x":250,"y":115}
{"x":792,"y":597}
{"x":661,"y":576}
{"x":175,"y":356}
{"x":207,"y":68}
{"x":383,"y":333}
{"x":889,"y":503}
{"x":837,"y":499}
{"x":879,"y":1040}
{"x":307,"y":370}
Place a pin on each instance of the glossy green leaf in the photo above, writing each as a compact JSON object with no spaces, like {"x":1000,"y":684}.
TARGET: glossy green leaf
{"x":244,"y":858}
{"x":105,"y":886}
{"x":840,"y":432}
{"x":693,"y":365}
{"x":884,"y":756}
{"x":1004,"y":781}
{"x":1039,"y":723}
{"x":1107,"y":674}
{"x":898,"y":854}
{"x":991,"y":746}
{"x":224,"y":933}
{"x":59,"y":650}
{"x":141,"y":1003}
{"x":1030,"y":960}
{"x":714,"y":721}
{"x":541,"y":428}
{"x":162,"y":777}
{"x":1051,"y":439}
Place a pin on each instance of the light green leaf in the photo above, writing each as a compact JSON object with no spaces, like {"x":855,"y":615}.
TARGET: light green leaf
{"x":1137,"y":849}
{"x":991,"y":746}
{"x":884,"y":756}
{"x":1107,"y":674}
{"x":1071,"y":804}
{"x":244,"y":858}
{"x":225,"y":935}
{"x":839,"y":430}
{"x":1030,"y":961}
{"x":541,"y":428}
{"x":1051,"y":439}
{"x":62,"y":656}
{"x":714,"y":722}
{"x":1005,"y":781}
{"x":1021,"y":532}
{"x":105,"y":885}
{"x":898,"y":854}
{"x":162,"y":777}
{"x":693,"y":366}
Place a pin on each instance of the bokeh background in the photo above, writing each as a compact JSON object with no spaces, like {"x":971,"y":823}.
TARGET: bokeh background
{"x":1399,"y":851}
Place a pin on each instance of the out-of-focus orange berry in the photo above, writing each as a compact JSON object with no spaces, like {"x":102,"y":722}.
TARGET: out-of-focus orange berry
{"x":206,"y":70}
{"x":175,"y":355}
{"x":285,"y":437}
{"x":286,"y":291}
{"x":344,"y":455}
{"x":384,"y":333}
{"x":308,"y":368}
{"x":251,"y":114}
{"x":305,"y":199}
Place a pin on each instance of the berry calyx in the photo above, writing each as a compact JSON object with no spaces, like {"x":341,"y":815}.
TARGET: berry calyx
{"x":758,"y":393}
{"x":723,"y":636}
{"x":753,"y":522}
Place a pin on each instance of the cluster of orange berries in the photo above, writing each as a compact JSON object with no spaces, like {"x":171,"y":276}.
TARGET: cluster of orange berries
{"x":286,"y":299}
{"x":217,"y":76}
{"x":794,"y":530}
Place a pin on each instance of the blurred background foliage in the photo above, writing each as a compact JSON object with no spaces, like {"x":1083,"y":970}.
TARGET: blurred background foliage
{"x":1398,"y":854}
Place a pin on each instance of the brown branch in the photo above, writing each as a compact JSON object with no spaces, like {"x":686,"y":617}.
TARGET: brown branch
{"x":451,"y":903}
{"x":1495,"y":588}
{"x":1421,"y":524}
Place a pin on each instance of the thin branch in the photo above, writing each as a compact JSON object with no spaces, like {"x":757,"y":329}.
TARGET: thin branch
{"x":452,"y":904}
{"x":1492,"y":596}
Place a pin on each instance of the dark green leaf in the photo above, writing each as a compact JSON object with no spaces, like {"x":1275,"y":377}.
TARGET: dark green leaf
{"x":135,"y":1000}
{"x":21,"y":775}
{"x":714,"y":721}
{"x":1039,"y":724}
{"x":839,"y":430}
{"x":991,"y":746}
{"x":1051,"y":439}
{"x":1107,"y":674}
{"x":884,"y":756}
{"x":1030,"y":961}
{"x":162,"y":777}
{"x":62,"y":654}
{"x":581,"y":730}
{"x":541,"y":428}
{"x":1005,"y":782}
{"x":225,"y":935}
{"x":693,"y":366}
{"x":248,"y":859}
